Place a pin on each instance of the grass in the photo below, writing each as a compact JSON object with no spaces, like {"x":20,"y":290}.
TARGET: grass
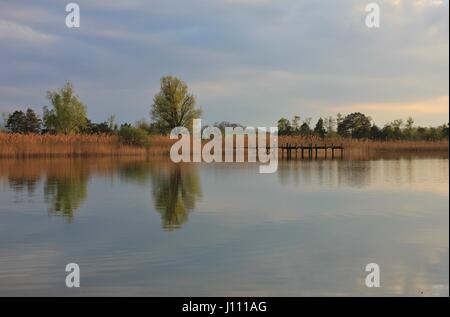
{"x":80,"y":145}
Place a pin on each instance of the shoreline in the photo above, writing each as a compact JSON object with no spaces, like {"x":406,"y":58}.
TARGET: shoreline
{"x":22,"y":146}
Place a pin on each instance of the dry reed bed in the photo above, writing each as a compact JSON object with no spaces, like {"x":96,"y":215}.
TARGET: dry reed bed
{"x":35,"y":145}
{"x":369,"y":145}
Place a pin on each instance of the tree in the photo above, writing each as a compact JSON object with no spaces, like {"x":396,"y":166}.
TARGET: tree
{"x":295,"y":124}
{"x":356,"y":125}
{"x":284,"y":126}
{"x":444,"y":131}
{"x":32,"y":122}
{"x":68,"y":114}
{"x":173,"y":106}
{"x":305,"y":130}
{"x":98,"y":128}
{"x":375,"y":132}
{"x":20,"y":122}
{"x":387,"y":132}
{"x":319,"y":129}
{"x":408,"y":131}
{"x":17,"y":122}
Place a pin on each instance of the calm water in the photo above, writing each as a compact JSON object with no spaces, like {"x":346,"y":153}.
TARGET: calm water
{"x":154,"y":228}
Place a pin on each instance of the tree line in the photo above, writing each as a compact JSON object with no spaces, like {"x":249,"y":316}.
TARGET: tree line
{"x":175,"y":106}
{"x":172,"y":106}
{"x":359,"y":126}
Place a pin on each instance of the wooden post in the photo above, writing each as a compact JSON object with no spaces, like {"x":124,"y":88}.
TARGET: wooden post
{"x":316,"y":150}
{"x":326,"y":152}
{"x":342,"y":151}
{"x":332,"y":151}
{"x":302,"y":152}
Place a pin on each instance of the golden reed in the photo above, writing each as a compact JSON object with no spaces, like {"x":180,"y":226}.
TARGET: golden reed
{"x":80,"y":145}
{"x":76,"y":145}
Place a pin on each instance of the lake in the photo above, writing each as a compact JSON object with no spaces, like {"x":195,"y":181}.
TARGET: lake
{"x":154,"y":228}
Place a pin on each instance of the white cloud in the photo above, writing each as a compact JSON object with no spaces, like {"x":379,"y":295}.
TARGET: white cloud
{"x":10,"y":31}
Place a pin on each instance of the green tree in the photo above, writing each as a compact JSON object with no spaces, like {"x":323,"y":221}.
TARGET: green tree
{"x":375,"y":132}
{"x":387,"y":132}
{"x":173,"y":106}
{"x":284,"y":126}
{"x":20,"y":122}
{"x":17,"y":122}
{"x":409,"y":129}
{"x":32,"y":122}
{"x":68,"y":114}
{"x":319,"y":129}
{"x":444,"y":131}
{"x":305,"y":129}
{"x":357,"y":125}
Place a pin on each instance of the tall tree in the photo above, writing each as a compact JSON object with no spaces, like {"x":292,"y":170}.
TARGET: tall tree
{"x":173,"y":106}
{"x":32,"y":122}
{"x":319,"y":129}
{"x":68,"y":114}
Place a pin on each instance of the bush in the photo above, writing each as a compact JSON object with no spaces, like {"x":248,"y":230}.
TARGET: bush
{"x":133,"y":136}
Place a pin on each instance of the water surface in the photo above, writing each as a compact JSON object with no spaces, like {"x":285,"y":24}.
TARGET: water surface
{"x":153,"y":228}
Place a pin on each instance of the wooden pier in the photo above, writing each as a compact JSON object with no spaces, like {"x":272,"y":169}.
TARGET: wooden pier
{"x":310,"y":151}
{"x":306,"y":151}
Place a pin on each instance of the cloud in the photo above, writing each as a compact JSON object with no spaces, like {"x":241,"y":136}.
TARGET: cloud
{"x":437,"y":106}
{"x":246,"y":60}
{"x":10,"y":31}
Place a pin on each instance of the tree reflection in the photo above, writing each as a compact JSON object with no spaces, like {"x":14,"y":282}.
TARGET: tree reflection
{"x":65,"y":195}
{"x":175,"y":187}
{"x":176,"y":190}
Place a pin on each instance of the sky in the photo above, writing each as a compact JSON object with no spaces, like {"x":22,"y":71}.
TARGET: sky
{"x":246,"y":61}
